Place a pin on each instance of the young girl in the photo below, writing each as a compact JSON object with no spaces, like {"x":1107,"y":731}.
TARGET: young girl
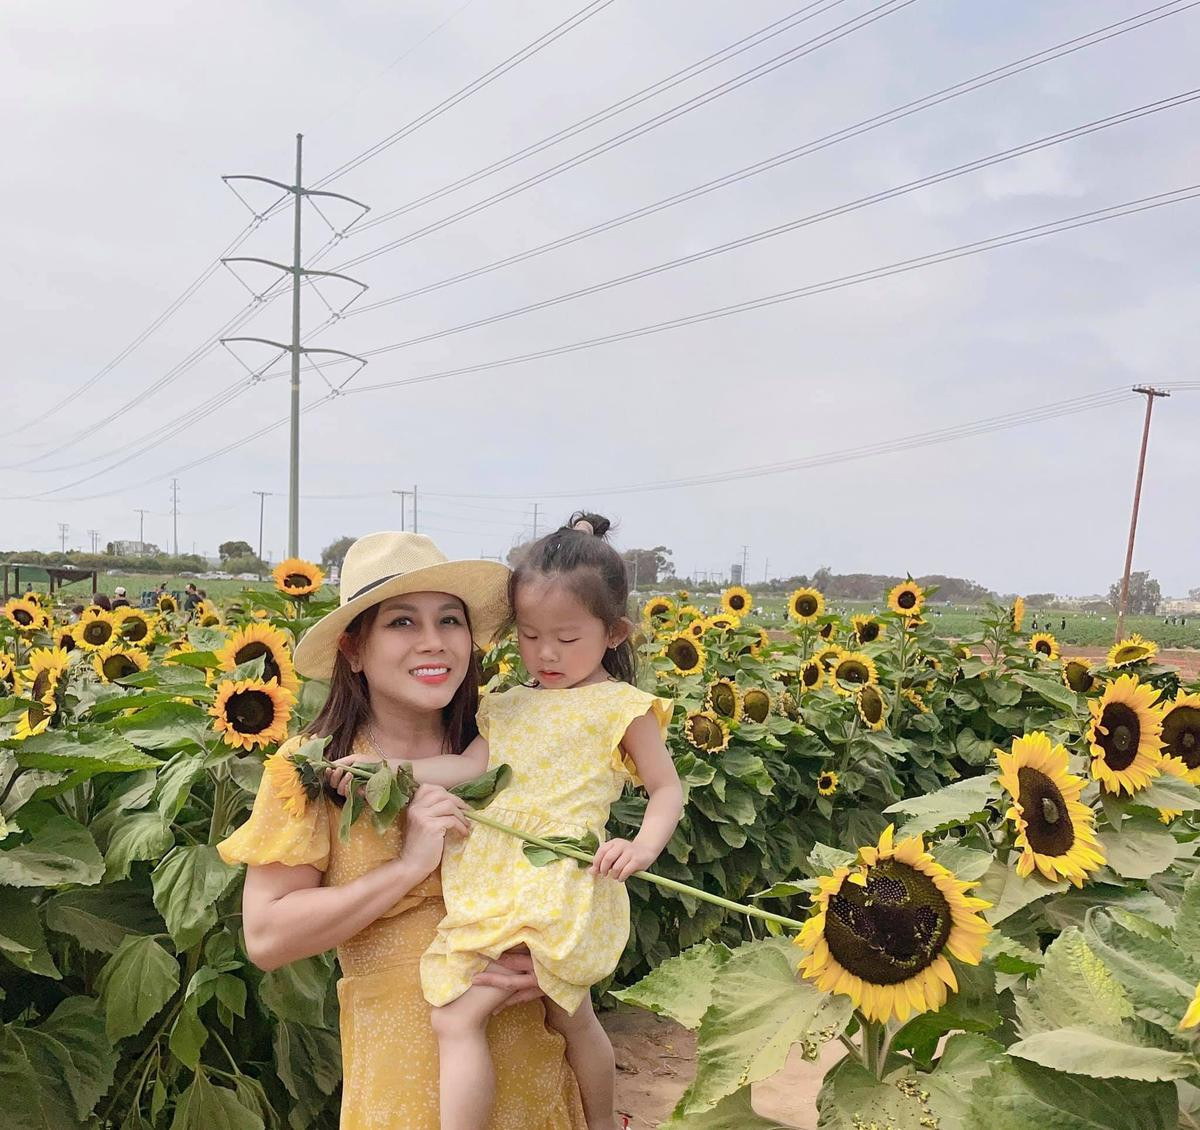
{"x":573,"y":737}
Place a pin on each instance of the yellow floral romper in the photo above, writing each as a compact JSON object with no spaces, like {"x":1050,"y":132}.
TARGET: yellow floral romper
{"x":568,"y":768}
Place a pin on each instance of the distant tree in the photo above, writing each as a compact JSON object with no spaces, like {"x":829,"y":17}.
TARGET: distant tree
{"x":1193,"y":594}
{"x":244,"y":563}
{"x":1041,"y":599}
{"x":229,"y":549}
{"x":1145,"y":595}
{"x":645,"y":566}
{"x":335,"y":552}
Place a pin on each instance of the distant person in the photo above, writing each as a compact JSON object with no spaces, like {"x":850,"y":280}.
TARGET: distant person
{"x":1063,"y":625}
{"x":100,"y":600}
{"x":190,"y":597}
{"x":1034,"y":624}
{"x":76,"y":611}
{"x":119,"y":599}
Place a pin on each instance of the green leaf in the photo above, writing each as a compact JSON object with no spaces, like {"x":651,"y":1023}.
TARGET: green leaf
{"x":853,"y":1099}
{"x":541,"y":856}
{"x":21,"y":937}
{"x":759,"y":1010}
{"x":101,"y":918}
{"x":1050,"y":690}
{"x":1157,"y":974}
{"x":964,"y":1061}
{"x":167,"y":725}
{"x":1079,"y":1051}
{"x":481,"y":791}
{"x":60,"y":851}
{"x":1074,"y":987}
{"x":733,"y":1112}
{"x":971,"y":1009}
{"x":968,"y":864}
{"x":1168,"y":792}
{"x":378,"y":789}
{"x":135,"y":983}
{"x":1187,"y":920}
{"x":824,"y":860}
{"x":139,"y":835}
{"x":1143,"y":847}
{"x":205,"y":1106}
{"x":188,"y":1035}
{"x":308,"y":1061}
{"x":186,"y":884}
{"x":175,"y":781}
{"x":1008,"y":892}
{"x":680,"y":987}
{"x":63,"y":751}
{"x":955,"y":804}
{"x":297,"y":991}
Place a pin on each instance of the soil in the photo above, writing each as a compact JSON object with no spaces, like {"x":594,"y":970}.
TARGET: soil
{"x":656,"y":1060}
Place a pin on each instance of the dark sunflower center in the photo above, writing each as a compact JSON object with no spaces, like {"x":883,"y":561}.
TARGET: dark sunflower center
{"x":250,"y":712}
{"x":871,"y":705}
{"x":119,"y":666}
{"x":66,"y":641}
{"x":296,"y":581}
{"x":23,"y":616}
{"x":35,"y":714}
{"x":41,"y":684}
{"x":1181,"y":735}
{"x":907,"y":599}
{"x":757,"y":705}
{"x":1079,"y":678}
{"x":684,"y":654}
{"x":852,"y":671}
{"x":253,"y":651}
{"x":737,"y":602}
{"x":1120,"y":743}
{"x":1130,"y":654}
{"x":723,"y":699}
{"x":825,"y":781}
{"x":810,"y":674}
{"x":1043,"y":647}
{"x":134,"y":629}
{"x":806,"y":605}
{"x":869,"y":632}
{"x":890,"y":930}
{"x":1048,"y":824}
{"x":97,"y":632}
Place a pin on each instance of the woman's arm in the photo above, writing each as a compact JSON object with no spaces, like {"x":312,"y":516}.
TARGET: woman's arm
{"x":446,"y":770}
{"x":287,"y":915}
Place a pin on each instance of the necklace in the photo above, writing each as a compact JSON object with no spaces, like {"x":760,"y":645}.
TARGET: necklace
{"x":374,"y":743}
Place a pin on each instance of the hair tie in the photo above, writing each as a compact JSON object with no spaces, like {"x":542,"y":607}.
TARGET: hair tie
{"x":586,"y":526}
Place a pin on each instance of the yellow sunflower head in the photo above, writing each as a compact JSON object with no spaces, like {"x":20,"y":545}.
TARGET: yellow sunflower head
{"x":1044,"y":645}
{"x":725,"y":700}
{"x":135,"y":626}
{"x":723,"y":622}
{"x":706,"y":731}
{"x":296,"y":577}
{"x":27,"y":616}
{"x":1130,"y":651}
{"x":683,"y":594}
{"x":658,"y":610}
{"x":251,"y":713}
{"x":1125,"y":736}
{"x":827,"y":783}
{"x":10,"y":680}
{"x":166,"y":604}
{"x":907,"y":598}
{"x":736,"y":600}
{"x":756,"y":704}
{"x":828,"y":631}
{"x":1181,"y":735}
{"x":916,"y":700}
{"x":46,"y":668}
{"x":33,"y":721}
{"x":696,"y":628}
{"x":1055,"y":832}
{"x":205,"y":615}
{"x":867,"y":628}
{"x":1077,"y":674}
{"x":805,"y":605}
{"x":881,"y":930}
{"x":828,"y":656}
{"x":95,"y":629}
{"x":686,"y":653}
{"x":118,"y":661}
{"x":686,"y":613}
{"x":872,"y":706}
{"x":294,"y":786}
{"x":812,"y":675}
{"x":271,"y":644}
{"x":64,"y":637}
{"x":852,"y":670}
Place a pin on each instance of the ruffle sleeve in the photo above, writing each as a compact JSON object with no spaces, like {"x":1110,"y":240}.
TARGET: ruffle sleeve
{"x":483,"y":713}
{"x":630,"y":705}
{"x":284,"y":827}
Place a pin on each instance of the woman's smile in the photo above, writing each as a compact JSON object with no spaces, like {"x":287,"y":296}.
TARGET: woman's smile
{"x":432,"y":674}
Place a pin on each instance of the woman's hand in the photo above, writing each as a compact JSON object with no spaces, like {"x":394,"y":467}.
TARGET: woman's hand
{"x":513,"y":971}
{"x":433,"y":813}
{"x":338,"y":778}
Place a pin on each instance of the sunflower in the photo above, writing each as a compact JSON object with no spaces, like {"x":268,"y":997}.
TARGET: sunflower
{"x":166,"y":604}
{"x":828,"y":631}
{"x":866,"y":628}
{"x":706,"y":731}
{"x":686,"y":613}
{"x":915,"y":699}
{"x":1181,"y":735}
{"x":725,"y":700}
{"x":1077,"y":674}
{"x":1125,"y":736}
{"x":205,"y":615}
{"x":35,"y":596}
{"x":906,"y":598}
{"x":287,"y":784}
{"x":812,"y":675}
{"x":683,"y":594}
{"x":95,"y":629}
{"x":756,"y":704}
{"x":33,"y":721}
{"x":177,"y":647}
{"x":25,"y":615}
{"x":805,"y":605}
{"x":134,"y":626}
{"x":261,"y":639}
{"x":46,"y":667}
{"x":251,"y":713}
{"x":827,"y":784}
{"x":64,"y":637}
{"x":828,"y":656}
{"x":1130,"y":651}
{"x":696,"y":629}
{"x":1043,"y":645}
{"x":852,"y":670}
{"x":658,"y":609}
{"x":297,"y":577}
{"x":1016,"y":614}
{"x":881,"y":930}
{"x":10,"y":679}
{"x":119,"y":661}
{"x":1056,"y":833}
{"x":1192,"y":1017}
{"x":872,"y":707}
{"x":736,"y":600}
{"x":723,"y":621}
{"x":686,"y":654}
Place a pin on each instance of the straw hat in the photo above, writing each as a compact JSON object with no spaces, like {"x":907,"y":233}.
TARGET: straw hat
{"x":384,"y":565}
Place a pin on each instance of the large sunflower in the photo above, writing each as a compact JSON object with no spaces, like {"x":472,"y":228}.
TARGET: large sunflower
{"x":46,"y":667}
{"x":867,"y":628}
{"x":261,"y":639}
{"x":205,"y":615}
{"x":1016,"y":614}
{"x":658,"y":609}
{"x":119,"y":661}
{"x":828,"y":656}
{"x":1130,"y":651}
{"x":756,"y":704}
{"x":96,"y":629}
{"x":1056,"y":834}
{"x":736,"y":600}
{"x":297,"y":577}
{"x":805,"y":605}
{"x":1125,"y":736}
{"x":1181,"y":735}
{"x":135,"y":626}
{"x":706,"y":731}
{"x":906,"y":598}
{"x":251,"y":713}
{"x":25,"y":615}
{"x":1044,"y":645}
{"x":687,"y":654}
{"x":872,"y":706}
{"x":725,"y":699}
{"x":881,"y":930}
{"x":852,"y":670}
{"x":1077,"y":674}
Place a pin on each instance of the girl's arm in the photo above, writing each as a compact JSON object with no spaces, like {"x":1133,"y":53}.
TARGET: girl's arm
{"x":644,"y":745}
{"x":447,"y":770}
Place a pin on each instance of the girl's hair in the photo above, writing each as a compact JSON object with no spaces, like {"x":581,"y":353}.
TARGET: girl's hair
{"x":349,"y":703}
{"x":594,"y":572}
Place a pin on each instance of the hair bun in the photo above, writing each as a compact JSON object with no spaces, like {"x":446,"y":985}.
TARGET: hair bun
{"x":596,"y":524}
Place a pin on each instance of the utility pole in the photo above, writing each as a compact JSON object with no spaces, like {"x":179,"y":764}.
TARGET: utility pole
{"x":175,"y":514}
{"x":298,"y":273}
{"x":94,"y":535}
{"x":414,"y":508}
{"x":63,"y":529}
{"x":403,"y":495}
{"x":766,"y":570}
{"x":535,"y":526}
{"x":263,"y":495}
{"x":745,"y":560}
{"x":141,"y":525}
{"x":1150,"y":394}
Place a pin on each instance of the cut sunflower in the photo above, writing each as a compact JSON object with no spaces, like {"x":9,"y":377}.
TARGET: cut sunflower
{"x":866,"y":628}
{"x":135,"y":626}
{"x":1044,"y":645}
{"x":736,"y":600}
{"x":881,"y":930}
{"x":119,"y":661}
{"x":805,"y":605}
{"x":872,"y":707}
{"x":288,"y":784}
{"x":658,"y":609}
{"x":706,"y":731}
{"x":1181,"y":735}
{"x":725,"y":700}
{"x":96,"y":629}
{"x":906,"y":598}
{"x":256,"y":640}
{"x":1056,"y":833}
{"x":297,"y":577}
{"x":1077,"y":674}
{"x":1132,"y":650}
{"x":1125,"y":736}
{"x":26,"y":615}
{"x":827,"y":784}
{"x":756,"y":704}
{"x":685,"y":653}
{"x":251,"y":713}
{"x":852,"y":670}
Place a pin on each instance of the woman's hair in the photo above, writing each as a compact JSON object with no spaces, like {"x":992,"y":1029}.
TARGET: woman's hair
{"x":349,"y":703}
{"x":100,"y":600}
{"x":579,"y":555}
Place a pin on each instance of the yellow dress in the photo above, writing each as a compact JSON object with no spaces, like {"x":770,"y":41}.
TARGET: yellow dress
{"x":564,"y":750}
{"x":389,"y":1053}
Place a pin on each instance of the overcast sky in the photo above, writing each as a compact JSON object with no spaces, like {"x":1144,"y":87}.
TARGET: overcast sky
{"x":121,"y":118}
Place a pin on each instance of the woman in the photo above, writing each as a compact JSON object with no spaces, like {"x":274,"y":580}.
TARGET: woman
{"x":403,"y":676}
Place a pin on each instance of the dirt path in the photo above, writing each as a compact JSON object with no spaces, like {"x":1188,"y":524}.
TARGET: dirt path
{"x":1186,"y":659}
{"x":656,"y":1060}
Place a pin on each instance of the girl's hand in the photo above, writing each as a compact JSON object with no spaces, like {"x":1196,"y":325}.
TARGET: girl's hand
{"x":433,"y":813}
{"x":618,"y":859}
{"x":338,"y":778}
{"x":512,"y":971}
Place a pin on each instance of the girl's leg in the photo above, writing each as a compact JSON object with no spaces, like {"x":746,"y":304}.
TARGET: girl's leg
{"x":591,"y":1058}
{"x":465,"y":1074}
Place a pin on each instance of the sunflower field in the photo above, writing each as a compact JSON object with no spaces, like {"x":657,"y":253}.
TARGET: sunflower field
{"x":967,"y":864}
